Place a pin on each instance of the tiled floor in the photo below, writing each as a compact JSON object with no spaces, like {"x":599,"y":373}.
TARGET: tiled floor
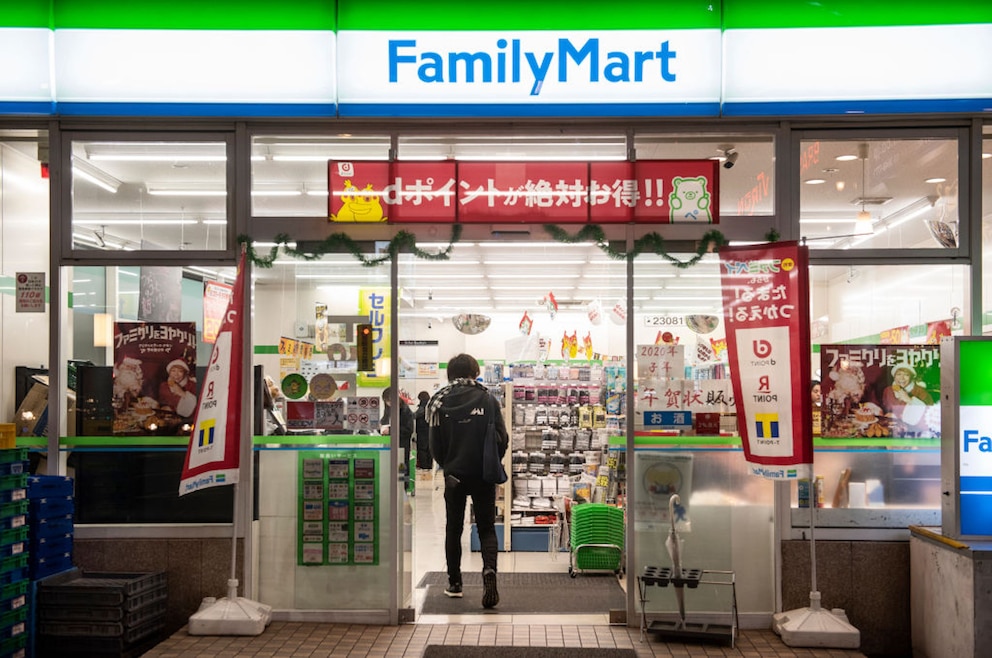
{"x":283,"y":639}
{"x":313,"y":640}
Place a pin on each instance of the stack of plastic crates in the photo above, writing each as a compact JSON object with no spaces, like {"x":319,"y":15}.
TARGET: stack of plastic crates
{"x":100,"y":613}
{"x":596,"y":538}
{"x":14,"y":578}
{"x":50,"y":510}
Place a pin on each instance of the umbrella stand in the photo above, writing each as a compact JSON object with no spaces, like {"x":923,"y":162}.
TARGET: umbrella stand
{"x":681,"y":630}
{"x":813,"y":626}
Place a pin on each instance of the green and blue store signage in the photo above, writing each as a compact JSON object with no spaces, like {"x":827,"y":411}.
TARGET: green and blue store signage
{"x":512,"y":58}
{"x":967,"y":510}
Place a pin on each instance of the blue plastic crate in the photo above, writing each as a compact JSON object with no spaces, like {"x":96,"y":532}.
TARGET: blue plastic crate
{"x":43,"y":486}
{"x":47,"y":566}
{"x":13,"y":468}
{"x":52,"y":506}
{"x":51,"y":526}
{"x":51,"y":547}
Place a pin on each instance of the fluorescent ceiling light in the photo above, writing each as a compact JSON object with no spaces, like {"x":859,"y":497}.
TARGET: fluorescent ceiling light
{"x":87,"y":172}
{"x":545,"y":263}
{"x":533,"y":275}
{"x":263,"y":192}
{"x":846,"y":158}
{"x":269,"y":245}
{"x":186,"y":192}
{"x":935,"y":180}
{"x":134,"y":222}
{"x":424,"y":289}
{"x":815,"y":181}
{"x":342,"y":277}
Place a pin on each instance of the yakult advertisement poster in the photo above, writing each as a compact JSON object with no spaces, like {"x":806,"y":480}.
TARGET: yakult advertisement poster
{"x":766,"y":312}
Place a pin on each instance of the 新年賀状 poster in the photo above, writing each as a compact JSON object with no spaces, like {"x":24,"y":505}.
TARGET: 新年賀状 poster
{"x":880,"y":391}
{"x":154,"y":377}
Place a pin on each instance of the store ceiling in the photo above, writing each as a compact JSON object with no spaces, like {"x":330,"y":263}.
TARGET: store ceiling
{"x":176,"y":201}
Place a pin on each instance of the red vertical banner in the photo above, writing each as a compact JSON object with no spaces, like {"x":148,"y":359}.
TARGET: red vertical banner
{"x":766,"y":313}
{"x":213,"y":456}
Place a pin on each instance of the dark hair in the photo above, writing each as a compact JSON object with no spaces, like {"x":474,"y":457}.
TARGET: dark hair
{"x":424,"y":397}
{"x":463,"y":366}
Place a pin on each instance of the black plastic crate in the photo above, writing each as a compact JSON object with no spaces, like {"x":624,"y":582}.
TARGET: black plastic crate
{"x":70,"y":632}
{"x":97,"y":588}
{"x":142,"y":614}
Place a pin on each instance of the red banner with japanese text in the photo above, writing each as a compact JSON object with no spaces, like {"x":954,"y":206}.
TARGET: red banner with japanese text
{"x":766,"y":313}
{"x":646,"y":191}
{"x":213,"y":457}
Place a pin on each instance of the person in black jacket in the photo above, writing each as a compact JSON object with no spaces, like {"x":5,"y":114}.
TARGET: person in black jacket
{"x":458,"y":416}
{"x":407,"y":427}
{"x":424,"y":458}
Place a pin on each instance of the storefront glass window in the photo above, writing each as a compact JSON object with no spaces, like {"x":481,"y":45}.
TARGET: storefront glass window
{"x":289,"y":172}
{"x":747,"y":165}
{"x":687,"y":444}
{"x":879,"y":193}
{"x":325,"y":469}
{"x":24,"y":278}
{"x":564,"y":145}
{"x":876,"y":330}
{"x":150,"y":195}
{"x":137,"y":356}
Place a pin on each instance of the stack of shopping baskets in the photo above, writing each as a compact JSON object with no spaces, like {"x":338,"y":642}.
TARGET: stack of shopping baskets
{"x":597,"y":538}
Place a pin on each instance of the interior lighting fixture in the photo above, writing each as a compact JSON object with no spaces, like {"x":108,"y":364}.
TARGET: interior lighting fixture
{"x":87,"y":172}
{"x":815,"y":181}
{"x":862,"y":224}
{"x":935,"y":180}
{"x":206,"y":192}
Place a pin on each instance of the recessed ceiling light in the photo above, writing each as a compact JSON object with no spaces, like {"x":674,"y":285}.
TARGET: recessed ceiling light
{"x":935,"y":180}
{"x":815,"y":181}
{"x":846,"y":158}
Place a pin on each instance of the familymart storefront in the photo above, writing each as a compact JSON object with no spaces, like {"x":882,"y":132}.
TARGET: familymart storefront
{"x":159,"y":160}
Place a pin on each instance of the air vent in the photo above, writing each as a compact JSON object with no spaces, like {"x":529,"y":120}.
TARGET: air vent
{"x":871,"y":201}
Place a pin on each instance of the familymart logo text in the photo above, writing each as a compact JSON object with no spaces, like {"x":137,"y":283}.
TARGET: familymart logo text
{"x":509,"y":61}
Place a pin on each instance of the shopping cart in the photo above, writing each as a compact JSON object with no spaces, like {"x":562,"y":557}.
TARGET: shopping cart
{"x":596,"y":539}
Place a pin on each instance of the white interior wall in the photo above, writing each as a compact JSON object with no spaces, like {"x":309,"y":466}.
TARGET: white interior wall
{"x":24,"y":246}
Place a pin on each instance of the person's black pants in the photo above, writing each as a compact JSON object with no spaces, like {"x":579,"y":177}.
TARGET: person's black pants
{"x":484,"y":509}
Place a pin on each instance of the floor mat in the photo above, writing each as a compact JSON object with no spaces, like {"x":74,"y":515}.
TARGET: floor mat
{"x":448,"y":651}
{"x":527,"y":593}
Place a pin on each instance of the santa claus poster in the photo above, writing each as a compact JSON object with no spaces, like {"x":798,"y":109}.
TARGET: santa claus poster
{"x":154,"y":377}
{"x":880,"y":391}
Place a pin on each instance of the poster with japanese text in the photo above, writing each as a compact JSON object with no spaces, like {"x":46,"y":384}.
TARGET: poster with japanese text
{"x":766,"y":313}
{"x":880,"y":391}
{"x":154,"y":377}
{"x":374,"y":304}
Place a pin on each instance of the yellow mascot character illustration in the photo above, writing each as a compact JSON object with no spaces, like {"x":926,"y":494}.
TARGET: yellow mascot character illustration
{"x":359,"y":205}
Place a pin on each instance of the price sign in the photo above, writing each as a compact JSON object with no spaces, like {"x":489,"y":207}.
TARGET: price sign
{"x":30,"y":292}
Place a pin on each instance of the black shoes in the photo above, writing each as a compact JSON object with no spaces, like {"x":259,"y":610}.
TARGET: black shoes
{"x":490,"y":597}
{"x":453,"y":591}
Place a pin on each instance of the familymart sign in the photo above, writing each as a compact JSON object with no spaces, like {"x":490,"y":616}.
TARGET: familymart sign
{"x":511,"y":58}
